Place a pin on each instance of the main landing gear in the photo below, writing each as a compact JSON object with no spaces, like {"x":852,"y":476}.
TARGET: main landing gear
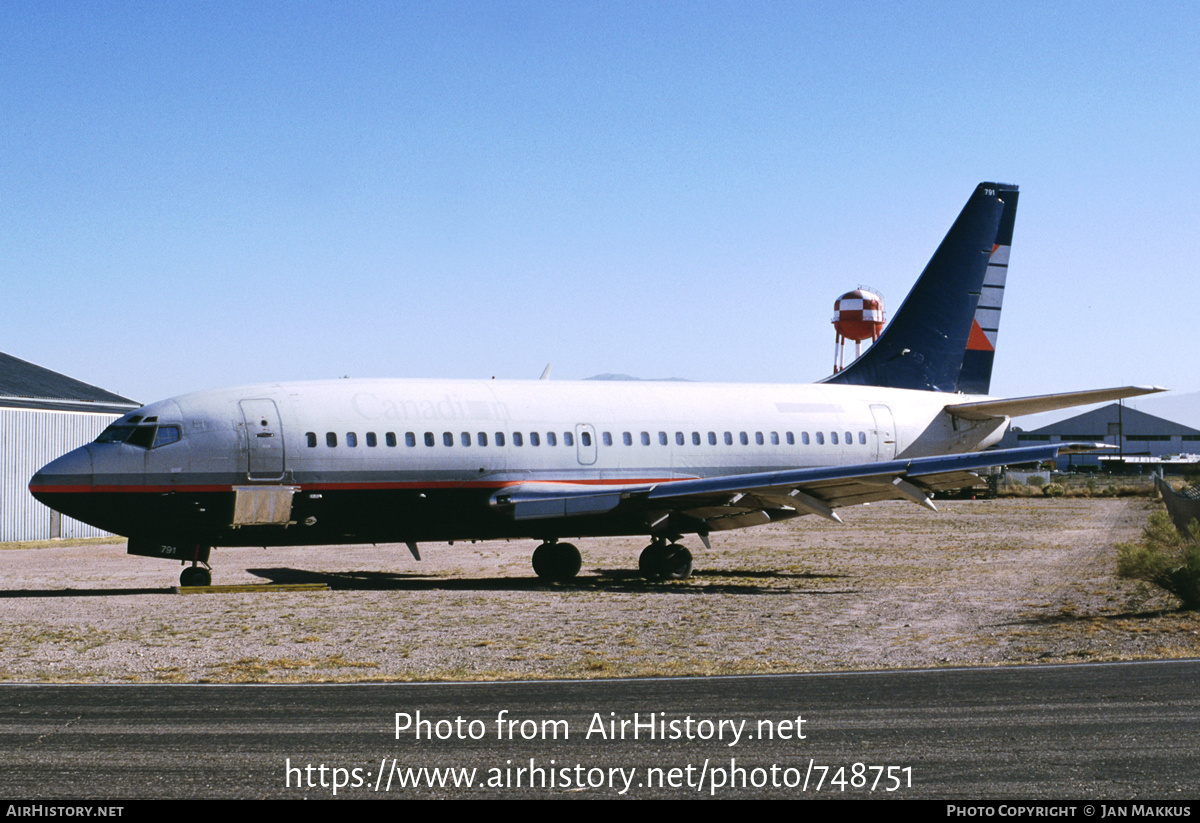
{"x":660,"y":561}
{"x":556,"y":562}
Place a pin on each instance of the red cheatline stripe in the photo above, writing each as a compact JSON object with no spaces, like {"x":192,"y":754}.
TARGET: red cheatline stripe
{"x":478,"y":484}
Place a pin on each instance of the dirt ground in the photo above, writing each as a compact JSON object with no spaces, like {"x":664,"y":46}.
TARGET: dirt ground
{"x":980,"y":582}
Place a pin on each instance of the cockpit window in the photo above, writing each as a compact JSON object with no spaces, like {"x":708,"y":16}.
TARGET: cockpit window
{"x":165,"y":435}
{"x":142,"y":436}
{"x":116,"y":433}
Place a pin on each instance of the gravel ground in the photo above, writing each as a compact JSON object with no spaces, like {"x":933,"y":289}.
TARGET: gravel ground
{"x":981,"y":582}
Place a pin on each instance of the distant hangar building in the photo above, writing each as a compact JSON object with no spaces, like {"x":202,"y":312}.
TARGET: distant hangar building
{"x":43,"y":415}
{"x":1134,"y":433}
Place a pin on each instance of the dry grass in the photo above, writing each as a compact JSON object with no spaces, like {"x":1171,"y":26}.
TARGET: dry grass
{"x":1000,"y":581}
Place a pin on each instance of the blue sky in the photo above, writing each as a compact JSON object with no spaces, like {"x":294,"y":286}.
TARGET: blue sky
{"x":206,"y":194}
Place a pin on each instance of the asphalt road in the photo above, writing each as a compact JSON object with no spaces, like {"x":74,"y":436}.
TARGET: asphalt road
{"x":1108,"y":731}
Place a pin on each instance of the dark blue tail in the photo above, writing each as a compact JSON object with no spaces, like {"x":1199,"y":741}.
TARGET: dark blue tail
{"x":943,"y":337}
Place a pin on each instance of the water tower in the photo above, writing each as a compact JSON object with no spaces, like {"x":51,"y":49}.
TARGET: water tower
{"x":857,"y":315}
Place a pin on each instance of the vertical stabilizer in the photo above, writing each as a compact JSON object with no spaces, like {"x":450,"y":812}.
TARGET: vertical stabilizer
{"x":976,"y":374}
{"x":943,"y":337}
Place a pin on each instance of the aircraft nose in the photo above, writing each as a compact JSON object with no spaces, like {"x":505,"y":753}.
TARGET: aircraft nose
{"x":72,"y":469}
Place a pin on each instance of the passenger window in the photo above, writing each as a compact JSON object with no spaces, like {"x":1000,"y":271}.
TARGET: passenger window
{"x":645,"y":438}
{"x":331,"y":439}
{"x":695,"y":438}
{"x":728,"y":438}
{"x":551,"y":439}
{"x":833,"y":438}
{"x":465,"y":439}
{"x":758,"y":438}
{"x":820,"y":438}
{"x":390,"y":439}
{"x":410,"y":439}
{"x":607,"y":438}
{"x":447,"y":439}
{"x":311,"y":437}
{"x":535,"y":439}
{"x":585,"y":438}
{"x":862,"y":438}
{"x":712,"y":438}
{"x":791,"y":439}
{"x":500,"y":439}
{"x":429,"y":441}
{"x":744,"y":439}
{"x":678,"y":438}
{"x":371,"y":441}
{"x":849,"y":439}
{"x":774,"y":438}
{"x":627,"y":438}
{"x":569,"y":439}
{"x":351,"y":439}
{"x":481,"y":438}
{"x":662,"y":438}
{"x":804,"y":438}
{"x":517,"y":439}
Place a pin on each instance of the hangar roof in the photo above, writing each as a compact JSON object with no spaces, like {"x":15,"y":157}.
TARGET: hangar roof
{"x":24,"y":385}
{"x":1096,"y":422}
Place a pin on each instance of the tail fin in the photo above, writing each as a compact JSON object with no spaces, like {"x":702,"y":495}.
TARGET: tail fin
{"x":943,"y":337}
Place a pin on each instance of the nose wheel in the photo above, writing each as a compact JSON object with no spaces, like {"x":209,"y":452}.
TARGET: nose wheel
{"x":660,"y":561}
{"x":556,"y":562}
{"x":195,"y":576}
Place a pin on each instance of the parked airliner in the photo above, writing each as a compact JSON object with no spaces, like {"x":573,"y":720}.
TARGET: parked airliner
{"x":410,"y":461}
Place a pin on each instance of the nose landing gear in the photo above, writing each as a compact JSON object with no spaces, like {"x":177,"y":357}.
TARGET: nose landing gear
{"x":195,"y":575}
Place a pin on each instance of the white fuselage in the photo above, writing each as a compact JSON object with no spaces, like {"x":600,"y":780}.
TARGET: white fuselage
{"x":547,"y":430}
{"x":407,"y":460}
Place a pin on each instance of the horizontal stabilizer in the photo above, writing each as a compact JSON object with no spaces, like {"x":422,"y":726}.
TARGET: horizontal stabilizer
{"x":1017,"y":406}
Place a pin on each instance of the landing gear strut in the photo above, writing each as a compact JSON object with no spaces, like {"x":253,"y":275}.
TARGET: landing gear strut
{"x":556,"y":562}
{"x":660,"y":561}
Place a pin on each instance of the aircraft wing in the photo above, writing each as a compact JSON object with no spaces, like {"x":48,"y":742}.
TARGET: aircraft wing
{"x":718,"y":503}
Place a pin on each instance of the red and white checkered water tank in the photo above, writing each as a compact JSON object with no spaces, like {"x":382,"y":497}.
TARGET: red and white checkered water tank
{"x":858,"y":315}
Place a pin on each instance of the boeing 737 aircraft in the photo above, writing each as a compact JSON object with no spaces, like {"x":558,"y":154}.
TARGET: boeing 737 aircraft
{"x":410,"y":461}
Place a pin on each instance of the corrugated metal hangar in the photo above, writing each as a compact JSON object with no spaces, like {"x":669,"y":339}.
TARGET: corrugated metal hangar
{"x":44,"y":414}
{"x":1133,"y":432}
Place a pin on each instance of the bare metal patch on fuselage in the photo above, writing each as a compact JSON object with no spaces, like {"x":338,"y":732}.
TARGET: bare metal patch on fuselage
{"x":262,"y":505}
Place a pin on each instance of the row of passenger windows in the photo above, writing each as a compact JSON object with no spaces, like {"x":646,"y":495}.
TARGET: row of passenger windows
{"x":585,"y":439}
